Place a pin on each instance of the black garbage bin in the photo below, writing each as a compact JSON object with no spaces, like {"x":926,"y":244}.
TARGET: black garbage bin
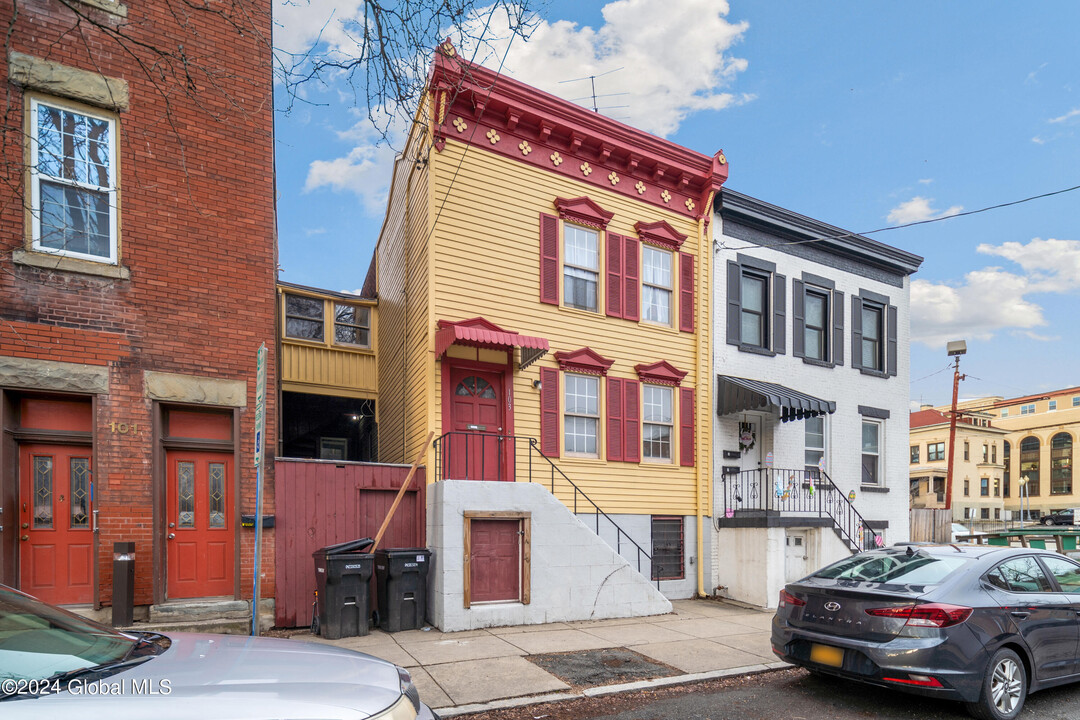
{"x":342,"y":575}
{"x":401,"y":586}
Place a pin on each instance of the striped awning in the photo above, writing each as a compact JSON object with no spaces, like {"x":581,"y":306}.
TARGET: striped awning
{"x":478,"y":332}
{"x":737,"y":395}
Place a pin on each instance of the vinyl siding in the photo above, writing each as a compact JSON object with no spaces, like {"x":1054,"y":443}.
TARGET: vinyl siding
{"x":486,"y":262}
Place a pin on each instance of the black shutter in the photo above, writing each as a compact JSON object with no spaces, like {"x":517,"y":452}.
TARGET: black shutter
{"x":891,"y":349}
{"x":856,"y":331}
{"x":734,"y":301}
{"x":838,"y":327}
{"x":798,"y":318}
{"x":779,"y":327}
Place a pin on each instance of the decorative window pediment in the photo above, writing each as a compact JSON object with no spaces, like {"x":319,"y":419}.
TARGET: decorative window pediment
{"x":661,"y":372}
{"x":660,"y":233}
{"x":584,"y":360}
{"x":583,"y":210}
{"x":476,"y":322}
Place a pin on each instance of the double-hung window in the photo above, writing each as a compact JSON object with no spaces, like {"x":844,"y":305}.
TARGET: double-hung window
{"x":914,"y":454}
{"x":656,"y":285}
{"x":581,"y":268}
{"x":756,"y":306}
{"x":871,"y":452}
{"x":873,"y":334}
{"x":657,"y":422}
{"x":73,"y":182}
{"x":581,"y":421}
{"x":307,"y":318}
{"x":816,"y":322}
{"x":935,"y":451}
{"x":352,"y":325}
{"x":814,"y":445}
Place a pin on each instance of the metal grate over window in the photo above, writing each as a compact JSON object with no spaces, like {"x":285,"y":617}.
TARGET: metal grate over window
{"x":667,"y":548}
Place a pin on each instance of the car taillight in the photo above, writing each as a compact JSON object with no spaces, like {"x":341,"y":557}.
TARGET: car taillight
{"x":937,"y":615}
{"x":920,"y":680}
{"x":787,"y":599}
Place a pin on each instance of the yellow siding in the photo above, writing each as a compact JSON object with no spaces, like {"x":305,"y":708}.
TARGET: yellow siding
{"x":402,"y":269}
{"x":485,"y":261}
{"x":308,"y":368}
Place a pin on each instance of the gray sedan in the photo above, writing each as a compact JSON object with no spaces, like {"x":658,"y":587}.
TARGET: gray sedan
{"x":56,"y":664}
{"x":982,"y":625}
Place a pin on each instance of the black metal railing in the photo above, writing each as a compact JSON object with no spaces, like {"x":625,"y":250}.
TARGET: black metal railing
{"x":778,"y":491}
{"x":486,"y":456}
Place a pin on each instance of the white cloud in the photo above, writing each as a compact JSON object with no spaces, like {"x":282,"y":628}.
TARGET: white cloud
{"x":926,"y":181}
{"x":992,"y":299}
{"x":1075,"y":112}
{"x":1038,"y":140}
{"x":365,"y":171}
{"x":918,"y":209}
{"x":310,"y":232}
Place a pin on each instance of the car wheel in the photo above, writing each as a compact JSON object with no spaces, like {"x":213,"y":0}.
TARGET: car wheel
{"x":1004,"y":688}
{"x":1048,"y":521}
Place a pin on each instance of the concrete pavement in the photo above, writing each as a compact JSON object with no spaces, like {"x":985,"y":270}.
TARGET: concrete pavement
{"x":475,"y":670}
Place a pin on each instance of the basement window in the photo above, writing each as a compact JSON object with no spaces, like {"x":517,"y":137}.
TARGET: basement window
{"x":667,"y":548}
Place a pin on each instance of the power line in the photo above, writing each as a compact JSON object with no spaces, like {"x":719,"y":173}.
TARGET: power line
{"x":924,"y":377}
{"x":724,"y":246}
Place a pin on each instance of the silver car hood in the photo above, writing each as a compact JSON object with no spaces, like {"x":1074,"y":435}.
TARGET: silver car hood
{"x":229,"y":676}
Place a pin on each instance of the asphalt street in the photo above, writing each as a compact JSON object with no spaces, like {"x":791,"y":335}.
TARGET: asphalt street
{"x":786,"y":695}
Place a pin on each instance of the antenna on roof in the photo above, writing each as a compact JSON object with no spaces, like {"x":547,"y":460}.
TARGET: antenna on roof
{"x":592,"y":81}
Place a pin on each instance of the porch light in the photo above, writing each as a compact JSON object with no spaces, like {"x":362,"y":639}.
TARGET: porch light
{"x":538,"y":385}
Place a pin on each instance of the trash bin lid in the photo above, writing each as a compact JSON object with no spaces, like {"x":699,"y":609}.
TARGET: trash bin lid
{"x":345,"y":547}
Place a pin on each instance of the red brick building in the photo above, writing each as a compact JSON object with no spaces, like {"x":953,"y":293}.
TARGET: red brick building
{"x":137,"y":266}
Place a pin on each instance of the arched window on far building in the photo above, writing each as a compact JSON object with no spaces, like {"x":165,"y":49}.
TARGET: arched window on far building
{"x":1029,"y":465}
{"x":1061,"y":464}
{"x":1005,"y":477}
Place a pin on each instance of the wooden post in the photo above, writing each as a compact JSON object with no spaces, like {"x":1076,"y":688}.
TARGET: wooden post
{"x":401,"y":492}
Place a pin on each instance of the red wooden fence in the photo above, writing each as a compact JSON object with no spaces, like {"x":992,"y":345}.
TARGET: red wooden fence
{"x":322,"y":502}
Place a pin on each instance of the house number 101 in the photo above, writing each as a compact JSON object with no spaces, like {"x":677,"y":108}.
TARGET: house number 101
{"x":124,"y":428}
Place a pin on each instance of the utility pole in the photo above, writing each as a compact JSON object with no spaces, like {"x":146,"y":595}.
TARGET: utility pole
{"x":955,"y":349}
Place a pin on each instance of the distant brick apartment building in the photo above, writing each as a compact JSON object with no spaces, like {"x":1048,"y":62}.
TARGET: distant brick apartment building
{"x":137,"y":266}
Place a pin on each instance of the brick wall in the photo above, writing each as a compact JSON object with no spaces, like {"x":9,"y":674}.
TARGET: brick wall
{"x":196,"y":234}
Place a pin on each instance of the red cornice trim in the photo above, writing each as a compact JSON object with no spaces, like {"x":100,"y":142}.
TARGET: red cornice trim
{"x":660,"y":233}
{"x":585,"y":360}
{"x":515,"y":120}
{"x":474,"y":322}
{"x":583,"y":210}
{"x":661,"y":372}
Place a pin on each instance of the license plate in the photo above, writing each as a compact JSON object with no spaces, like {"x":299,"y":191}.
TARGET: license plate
{"x":826,"y":655}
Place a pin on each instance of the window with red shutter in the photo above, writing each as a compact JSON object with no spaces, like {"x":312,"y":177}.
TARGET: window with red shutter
{"x":631,"y":291}
{"x":549,"y":259}
{"x":614,"y":248}
{"x":686,"y":427}
{"x":549,"y":412}
{"x":686,"y":292}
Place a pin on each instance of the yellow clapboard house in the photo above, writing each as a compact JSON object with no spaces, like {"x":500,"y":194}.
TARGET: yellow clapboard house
{"x":544,"y":285}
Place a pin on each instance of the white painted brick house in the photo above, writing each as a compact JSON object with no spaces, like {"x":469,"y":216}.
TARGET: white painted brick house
{"x":810,"y":350}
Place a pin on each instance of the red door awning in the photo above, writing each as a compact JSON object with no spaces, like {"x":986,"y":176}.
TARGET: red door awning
{"x":478,"y":332}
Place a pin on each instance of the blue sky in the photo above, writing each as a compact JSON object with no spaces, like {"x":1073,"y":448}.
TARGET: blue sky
{"x":861,"y":114}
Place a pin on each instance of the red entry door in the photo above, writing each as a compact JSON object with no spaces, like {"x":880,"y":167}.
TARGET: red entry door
{"x":476,"y":449}
{"x":56,"y":526}
{"x":200,"y":537}
{"x":495,"y":560}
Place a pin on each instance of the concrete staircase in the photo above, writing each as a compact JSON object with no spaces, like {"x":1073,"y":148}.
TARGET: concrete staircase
{"x":209,"y":615}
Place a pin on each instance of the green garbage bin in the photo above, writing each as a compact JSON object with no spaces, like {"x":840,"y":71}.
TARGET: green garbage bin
{"x":342,"y":575}
{"x":401,"y":587}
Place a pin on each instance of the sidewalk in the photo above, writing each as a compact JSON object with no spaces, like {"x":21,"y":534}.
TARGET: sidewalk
{"x":477,"y":670}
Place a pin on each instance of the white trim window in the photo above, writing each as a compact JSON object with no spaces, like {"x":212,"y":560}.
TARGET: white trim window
{"x":816,"y":324}
{"x":873,"y":346}
{"x":581,"y":268}
{"x":656,"y":285}
{"x":581,"y":419}
{"x":657,"y":427}
{"x":755,"y":309}
{"x":872,"y":432}
{"x":814,"y":445}
{"x":73,"y":182}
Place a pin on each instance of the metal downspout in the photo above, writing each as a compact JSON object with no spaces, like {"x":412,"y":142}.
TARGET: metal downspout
{"x":704,"y":333}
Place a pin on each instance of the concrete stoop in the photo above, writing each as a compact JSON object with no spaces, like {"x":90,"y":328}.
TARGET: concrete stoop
{"x":225,"y":616}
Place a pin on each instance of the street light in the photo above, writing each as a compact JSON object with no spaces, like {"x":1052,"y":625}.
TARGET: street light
{"x":954,"y":348}
{"x":1023,"y":492}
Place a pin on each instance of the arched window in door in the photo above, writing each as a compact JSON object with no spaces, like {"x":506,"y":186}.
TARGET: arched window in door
{"x":475,"y":387}
{"x":1061,"y":464}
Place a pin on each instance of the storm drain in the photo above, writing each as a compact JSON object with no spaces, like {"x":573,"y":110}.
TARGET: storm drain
{"x":601,"y":667}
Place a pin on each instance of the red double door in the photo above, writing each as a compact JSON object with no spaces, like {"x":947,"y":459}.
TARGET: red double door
{"x":200,"y":533}
{"x":56,"y":523}
{"x":477,"y":448}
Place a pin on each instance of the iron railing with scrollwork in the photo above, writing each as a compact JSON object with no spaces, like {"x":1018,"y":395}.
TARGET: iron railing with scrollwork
{"x":487,"y":456}
{"x":767,"y":491}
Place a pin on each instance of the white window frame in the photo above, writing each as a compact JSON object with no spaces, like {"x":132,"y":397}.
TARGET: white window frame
{"x":826,"y":329}
{"x":669,"y":424}
{"x":1004,"y":412}
{"x":824,"y":449}
{"x":880,"y":311}
{"x":567,"y":377}
{"x":880,"y":454}
{"x":1028,"y":409}
{"x":36,"y":178}
{"x":1052,"y":405}
{"x":596,"y":271}
{"x":765,"y":314}
{"x":668,"y":289}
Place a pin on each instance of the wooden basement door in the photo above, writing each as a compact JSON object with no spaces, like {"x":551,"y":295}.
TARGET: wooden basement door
{"x":495,"y":560}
